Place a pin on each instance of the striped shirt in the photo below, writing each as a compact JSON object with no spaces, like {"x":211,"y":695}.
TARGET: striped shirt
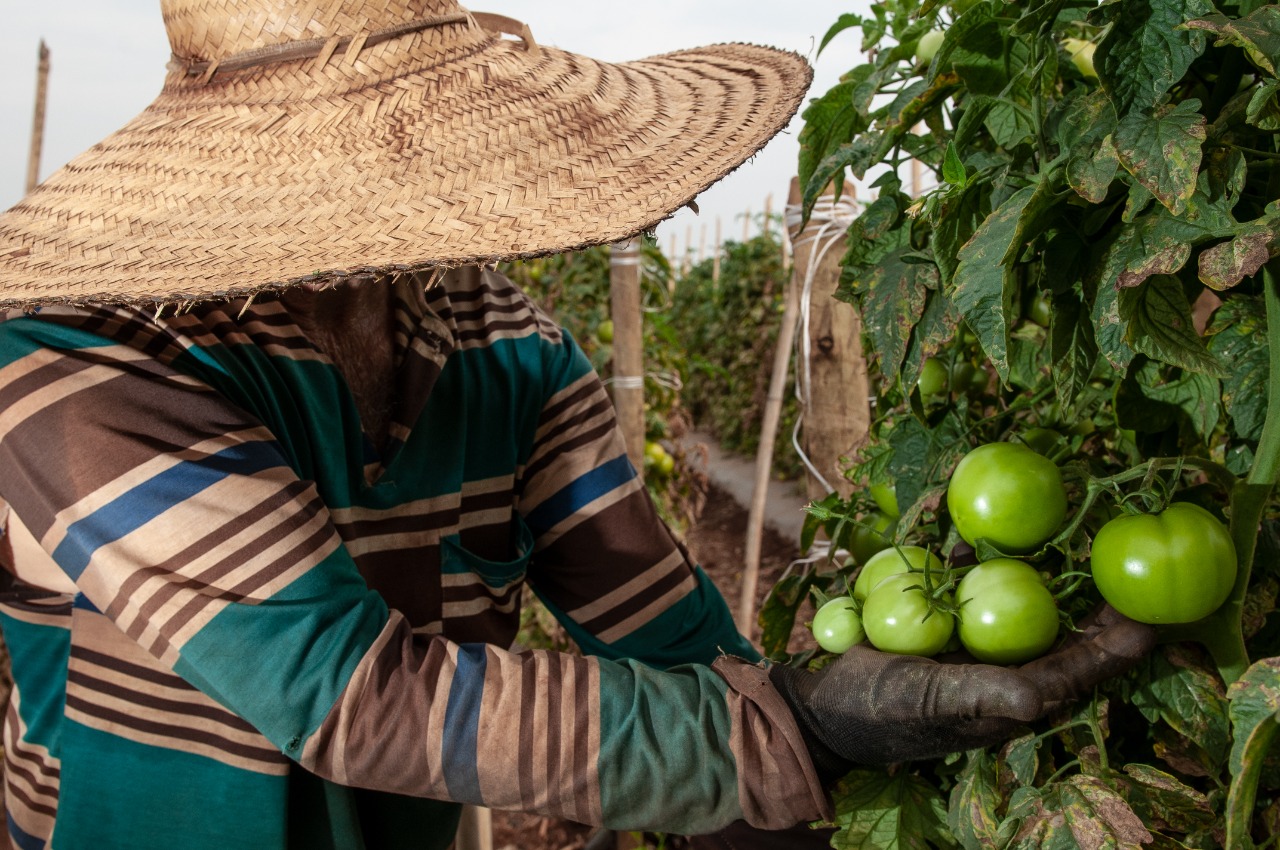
{"x":239,"y":624}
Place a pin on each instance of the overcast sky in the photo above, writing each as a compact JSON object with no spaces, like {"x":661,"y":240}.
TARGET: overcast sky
{"x":108,"y":60}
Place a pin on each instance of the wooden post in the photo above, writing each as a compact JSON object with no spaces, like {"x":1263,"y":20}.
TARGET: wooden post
{"x":37,"y":124}
{"x":628,"y":346}
{"x":702,"y":244}
{"x":764,"y":461}
{"x":768,"y":211}
{"x":746,"y":226}
{"x":833,"y":383}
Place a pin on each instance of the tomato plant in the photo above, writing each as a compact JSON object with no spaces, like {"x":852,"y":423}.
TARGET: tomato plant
{"x":1117,"y":162}
{"x":900,"y":616}
{"x":1176,"y":566}
{"x":1007,"y":615}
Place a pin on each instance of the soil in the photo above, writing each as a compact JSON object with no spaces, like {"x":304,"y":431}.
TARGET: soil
{"x":717,"y":541}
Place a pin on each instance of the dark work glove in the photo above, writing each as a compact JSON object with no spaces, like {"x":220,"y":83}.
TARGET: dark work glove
{"x":1107,"y":644}
{"x":870,"y":707}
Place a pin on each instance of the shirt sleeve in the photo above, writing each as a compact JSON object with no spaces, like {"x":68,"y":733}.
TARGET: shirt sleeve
{"x":605,"y":563}
{"x":180,"y":520}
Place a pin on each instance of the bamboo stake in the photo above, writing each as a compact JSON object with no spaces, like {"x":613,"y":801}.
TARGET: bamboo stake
{"x":37,"y":124}
{"x":768,"y":211}
{"x":628,"y":346}
{"x":746,"y":226}
{"x":764,"y":460}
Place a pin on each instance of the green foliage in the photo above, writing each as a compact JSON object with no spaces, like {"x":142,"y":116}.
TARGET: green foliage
{"x":1141,"y":202}
{"x":729,"y":328}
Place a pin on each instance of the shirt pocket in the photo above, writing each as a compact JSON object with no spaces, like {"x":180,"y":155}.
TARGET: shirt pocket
{"x":481,"y":596}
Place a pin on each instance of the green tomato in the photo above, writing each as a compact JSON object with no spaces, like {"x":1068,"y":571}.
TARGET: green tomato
{"x":837,"y":626}
{"x":1177,"y":566}
{"x":1007,"y":615}
{"x":1040,"y":309}
{"x":865,"y":542}
{"x":898,"y":618}
{"x":927,"y":46}
{"x":1008,"y":495}
{"x":885,"y":495}
{"x":934,"y":378}
{"x":604,"y":331}
{"x":889,"y":562}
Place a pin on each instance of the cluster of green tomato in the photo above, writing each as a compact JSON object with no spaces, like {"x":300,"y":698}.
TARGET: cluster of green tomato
{"x":1176,"y":566}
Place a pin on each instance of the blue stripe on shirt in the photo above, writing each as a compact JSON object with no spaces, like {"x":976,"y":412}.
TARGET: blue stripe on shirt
{"x":153,"y":497}
{"x":462,"y":724}
{"x":581,"y":492}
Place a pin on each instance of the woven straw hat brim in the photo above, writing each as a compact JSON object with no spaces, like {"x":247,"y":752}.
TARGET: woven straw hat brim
{"x":302,"y":171}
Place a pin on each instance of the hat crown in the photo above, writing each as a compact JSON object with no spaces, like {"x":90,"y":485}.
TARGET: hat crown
{"x":210,"y":30}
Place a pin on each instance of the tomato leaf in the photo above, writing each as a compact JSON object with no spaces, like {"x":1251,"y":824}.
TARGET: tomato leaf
{"x":1160,"y":326}
{"x":1258,"y":34}
{"x":883,"y":812}
{"x":936,"y":328}
{"x":1263,"y":111}
{"x":897,"y":292}
{"x":974,"y":801}
{"x":778,"y":613}
{"x":1254,"y":700}
{"x":983,"y":287}
{"x":1151,"y":401}
{"x":1073,"y":350}
{"x":1255,"y":703}
{"x":1183,"y":692}
{"x":1144,"y":53}
{"x":1081,"y":812}
{"x":1237,"y":335}
{"x":1161,"y":149}
{"x":1087,"y":124}
{"x":1163,"y":801}
{"x":1109,"y":328}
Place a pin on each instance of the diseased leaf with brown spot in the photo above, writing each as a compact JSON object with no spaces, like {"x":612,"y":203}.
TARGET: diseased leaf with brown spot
{"x":1227,"y":263}
{"x":974,"y":801}
{"x":1081,"y":812}
{"x":1161,"y":150}
{"x":1258,"y":33}
{"x":1163,"y":801}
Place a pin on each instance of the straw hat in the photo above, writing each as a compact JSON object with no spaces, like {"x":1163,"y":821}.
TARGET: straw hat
{"x":314,"y":139}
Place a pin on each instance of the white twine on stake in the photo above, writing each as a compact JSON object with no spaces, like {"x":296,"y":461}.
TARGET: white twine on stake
{"x":833,"y":217}
{"x":627,"y":382}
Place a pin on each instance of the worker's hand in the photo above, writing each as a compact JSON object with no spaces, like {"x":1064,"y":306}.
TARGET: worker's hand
{"x":870,"y":707}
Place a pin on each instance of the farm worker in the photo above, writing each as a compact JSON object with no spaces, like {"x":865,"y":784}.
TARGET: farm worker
{"x":280,"y":449}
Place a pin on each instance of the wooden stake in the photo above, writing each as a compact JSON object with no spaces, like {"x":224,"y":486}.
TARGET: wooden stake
{"x":37,"y":124}
{"x":628,"y":346}
{"x":746,"y":226}
{"x":768,"y":211}
{"x":837,"y":409}
{"x":702,"y":244}
{"x":764,"y":462}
